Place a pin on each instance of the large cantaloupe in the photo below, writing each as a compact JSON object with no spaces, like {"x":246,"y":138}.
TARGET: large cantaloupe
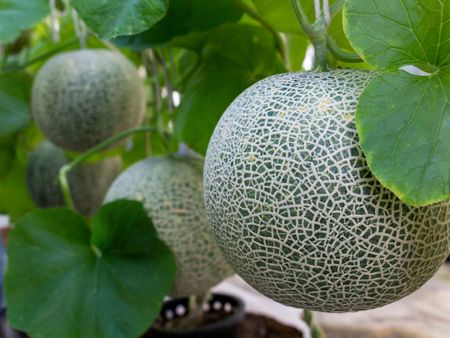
{"x":88,"y":182}
{"x":83,"y":97}
{"x":171,"y":190}
{"x":295,"y":209}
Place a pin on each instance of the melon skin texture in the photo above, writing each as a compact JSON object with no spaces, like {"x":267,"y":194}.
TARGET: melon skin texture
{"x":295,"y":209}
{"x":81,"y":98}
{"x":88,"y":182}
{"x":171,"y":190}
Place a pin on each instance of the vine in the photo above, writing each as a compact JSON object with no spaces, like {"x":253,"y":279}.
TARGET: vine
{"x":64,"y":171}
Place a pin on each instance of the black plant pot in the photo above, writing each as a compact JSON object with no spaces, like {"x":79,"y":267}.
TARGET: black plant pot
{"x":226,"y":327}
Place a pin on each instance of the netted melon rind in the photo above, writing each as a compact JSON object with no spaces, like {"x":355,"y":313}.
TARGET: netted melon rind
{"x":88,"y":182}
{"x":295,"y":208}
{"x":171,"y":190}
{"x":80,"y":98}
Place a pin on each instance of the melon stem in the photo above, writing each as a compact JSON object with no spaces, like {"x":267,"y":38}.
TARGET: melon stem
{"x":64,"y":171}
{"x":316,"y":331}
{"x":317,"y":33}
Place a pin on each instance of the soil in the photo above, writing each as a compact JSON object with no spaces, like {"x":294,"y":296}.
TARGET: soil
{"x":252,"y":326}
{"x":255,"y":326}
{"x":182,"y":322}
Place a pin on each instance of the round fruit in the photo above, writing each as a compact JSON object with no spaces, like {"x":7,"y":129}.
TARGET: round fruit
{"x":295,"y":209}
{"x":171,"y":189}
{"x":81,"y":98}
{"x":88,"y":182}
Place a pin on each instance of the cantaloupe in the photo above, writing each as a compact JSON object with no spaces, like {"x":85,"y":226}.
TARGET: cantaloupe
{"x":171,"y":190}
{"x":88,"y":182}
{"x":295,"y":209}
{"x":80,"y":98}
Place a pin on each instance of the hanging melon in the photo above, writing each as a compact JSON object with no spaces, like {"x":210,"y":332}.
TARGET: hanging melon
{"x":82,"y":97}
{"x":295,"y":209}
{"x":88,"y":182}
{"x":171,"y":190}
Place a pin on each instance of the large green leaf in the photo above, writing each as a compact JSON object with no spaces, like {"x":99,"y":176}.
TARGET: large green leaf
{"x":120,"y":17}
{"x":15,"y":199}
{"x":403,"y":119}
{"x":404,"y":126}
{"x":234,"y":57}
{"x":68,"y":279}
{"x":14,"y":98}
{"x":184,"y":16}
{"x":393,"y":33}
{"x":16,"y":15}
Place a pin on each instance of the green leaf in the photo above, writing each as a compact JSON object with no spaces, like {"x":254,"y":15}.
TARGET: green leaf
{"x":68,"y":279}
{"x":120,"y":17}
{"x":17,"y":15}
{"x":393,"y":33}
{"x":15,"y":199}
{"x":6,"y":160}
{"x":234,"y":57}
{"x":14,"y":97}
{"x":184,"y":16}
{"x":280,"y":14}
{"x":403,"y":119}
{"x":404,"y":126}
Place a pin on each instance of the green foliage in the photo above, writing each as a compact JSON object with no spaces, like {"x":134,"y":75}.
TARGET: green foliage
{"x":392,"y":33}
{"x":233,"y":58}
{"x":280,"y":15}
{"x":184,"y":16}
{"x":120,"y":17}
{"x":106,"y":279}
{"x":14,"y":98}
{"x":6,"y":160}
{"x":14,"y":197}
{"x":406,"y":141}
{"x":402,"y":118}
{"x":17,"y":15}
{"x":208,"y":52}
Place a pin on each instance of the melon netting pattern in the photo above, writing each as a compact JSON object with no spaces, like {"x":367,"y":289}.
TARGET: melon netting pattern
{"x":88,"y":182}
{"x":81,"y":98}
{"x":171,"y":190}
{"x":295,"y":208}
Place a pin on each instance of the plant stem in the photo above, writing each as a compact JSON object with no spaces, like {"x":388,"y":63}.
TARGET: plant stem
{"x":251,"y":12}
{"x":302,"y":18}
{"x":64,"y":171}
{"x":326,"y":12}
{"x":336,"y":7}
{"x":317,"y":9}
{"x":340,"y":54}
{"x":80,"y":28}
{"x":181,"y":82}
{"x":54,"y":21}
{"x":156,"y":85}
{"x":316,"y":332}
{"x":167,"y":81}
{"x":42,"y":57}
{"x":317,"y":33}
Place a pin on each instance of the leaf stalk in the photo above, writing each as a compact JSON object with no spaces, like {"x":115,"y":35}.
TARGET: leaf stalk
{"x":64,"y":171}
{"x":316,"y":331}
{"x":251,"y":12}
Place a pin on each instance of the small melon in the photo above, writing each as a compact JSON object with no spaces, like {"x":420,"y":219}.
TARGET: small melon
{"x":88,"y":182}
{"x":80,"y":98}
{"x":171,"y":190}
{"x":295,"y":208}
